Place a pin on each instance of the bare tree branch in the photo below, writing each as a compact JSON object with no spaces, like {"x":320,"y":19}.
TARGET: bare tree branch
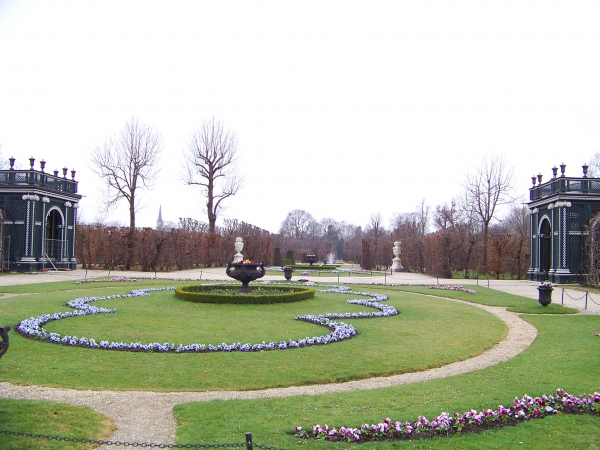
{"x":210,"y":163}
{"x":484,"y":190}
{"x":128,"y":162}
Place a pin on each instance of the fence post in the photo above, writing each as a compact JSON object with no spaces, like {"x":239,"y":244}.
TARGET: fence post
{"x":249,"y":441}
{"x":586,"y":296}
{"x":562,"y":298}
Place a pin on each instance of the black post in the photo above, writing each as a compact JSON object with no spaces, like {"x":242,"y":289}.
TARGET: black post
{"x":249,"y":441}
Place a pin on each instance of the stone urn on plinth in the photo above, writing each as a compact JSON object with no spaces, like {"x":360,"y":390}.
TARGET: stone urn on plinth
{"x":397,"y":262}
{"x":311,"y":259}
{"x":245,"y":272}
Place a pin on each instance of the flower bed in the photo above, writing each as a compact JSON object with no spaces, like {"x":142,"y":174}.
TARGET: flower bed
{"x":526,"y":408}
{"x":339,"y":331}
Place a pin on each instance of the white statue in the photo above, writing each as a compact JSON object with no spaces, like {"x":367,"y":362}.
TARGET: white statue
{"x":239,"y":245}
{"x":397,"y":262}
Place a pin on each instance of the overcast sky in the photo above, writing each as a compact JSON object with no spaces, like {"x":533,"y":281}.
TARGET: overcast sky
{"x":341,"y":108}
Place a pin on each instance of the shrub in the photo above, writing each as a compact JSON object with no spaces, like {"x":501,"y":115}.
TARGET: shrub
{"x":277,"y":257}
{"x":309,"y":267}
{"x":291,"y":256}
{"x":201,"y":294}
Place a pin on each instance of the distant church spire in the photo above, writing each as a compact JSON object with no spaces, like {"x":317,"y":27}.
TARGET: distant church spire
{"x":159,"y":222}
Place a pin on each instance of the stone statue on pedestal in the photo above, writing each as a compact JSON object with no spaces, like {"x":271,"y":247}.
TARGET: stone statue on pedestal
{"x":239,"y":245}
{"x":397,"y":262}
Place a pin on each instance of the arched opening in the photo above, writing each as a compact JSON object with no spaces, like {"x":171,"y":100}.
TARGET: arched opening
{"x":53,"y":233}
{"x":545,"y":247}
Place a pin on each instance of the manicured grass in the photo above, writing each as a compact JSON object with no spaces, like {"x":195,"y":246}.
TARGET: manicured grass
{"x":417,"y":339}
{"x":51,"y":419}
{"x":491,"y":297}
{"x":429,"y":332}
{"x":565,"y":355}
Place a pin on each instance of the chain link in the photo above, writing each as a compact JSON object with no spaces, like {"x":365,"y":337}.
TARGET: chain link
{"x":131,"y":444}
{"x":573,"y":298}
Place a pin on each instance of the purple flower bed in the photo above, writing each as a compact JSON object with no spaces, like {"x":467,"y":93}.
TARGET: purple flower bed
{"x":339,"y":331}
{"x":526,"y":408}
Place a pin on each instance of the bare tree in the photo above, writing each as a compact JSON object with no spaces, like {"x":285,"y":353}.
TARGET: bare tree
{"x":375,"y":226}
{"x":128,"y":162}
{"x":594,"y":169}
{"x":485,"y":189}
{"x":299,"y":224}
{"x":446,"y":217}
{"x":210,"y":162}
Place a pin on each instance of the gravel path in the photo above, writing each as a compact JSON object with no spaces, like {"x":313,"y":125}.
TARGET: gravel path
{"x":147,"y":417}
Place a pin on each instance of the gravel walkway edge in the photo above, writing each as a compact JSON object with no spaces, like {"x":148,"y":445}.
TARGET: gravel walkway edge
{"x":147,"y":417}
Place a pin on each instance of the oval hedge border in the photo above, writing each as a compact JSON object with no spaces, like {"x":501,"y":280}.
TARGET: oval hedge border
{"x":201,"y":294}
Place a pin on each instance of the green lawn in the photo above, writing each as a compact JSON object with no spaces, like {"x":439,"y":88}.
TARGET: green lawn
{"x":429,"y":332}
{"x":379,"y":349}
{"x":565,"y":355}
{"x":50,"y":419}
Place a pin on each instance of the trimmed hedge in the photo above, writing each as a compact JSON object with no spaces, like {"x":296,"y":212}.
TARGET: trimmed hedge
{"x":201,"y":294}
{"x":314,"y":267}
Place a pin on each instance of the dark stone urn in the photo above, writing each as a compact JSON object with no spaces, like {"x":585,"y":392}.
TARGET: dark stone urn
{"x":311,"y":259}
{"x":245,"y":272}
{"x":545,"y":294}
{"x":287,"y":273}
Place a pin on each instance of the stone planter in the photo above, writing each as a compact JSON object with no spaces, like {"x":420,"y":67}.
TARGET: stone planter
{"x":245,"y":272}
{"x":311,"y":259}
{"x":545,"y":294}
{"x":287,"y":273}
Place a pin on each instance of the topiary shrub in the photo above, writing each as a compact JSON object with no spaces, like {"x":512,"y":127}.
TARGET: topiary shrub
{"x":200,"y":293}
{"x":277,"y":257}
{"x":291,"y":256}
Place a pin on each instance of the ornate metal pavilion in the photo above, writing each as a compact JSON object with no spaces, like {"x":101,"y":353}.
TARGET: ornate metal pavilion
{"x":561,"y":210}
{"x":38,"y":212}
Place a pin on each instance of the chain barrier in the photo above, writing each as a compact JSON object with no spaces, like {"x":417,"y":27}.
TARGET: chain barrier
{"x":248,"y":444}
{"x":590,"y":297}
{"x":573,"y":298}
{"x":587,"y":297}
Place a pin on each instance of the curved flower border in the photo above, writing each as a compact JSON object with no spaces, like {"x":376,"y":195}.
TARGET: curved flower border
{"x":526,"y":408}
{"x":339,"y":331}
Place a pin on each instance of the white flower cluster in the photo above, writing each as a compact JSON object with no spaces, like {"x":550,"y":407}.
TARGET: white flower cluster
{"x":32,"y":327}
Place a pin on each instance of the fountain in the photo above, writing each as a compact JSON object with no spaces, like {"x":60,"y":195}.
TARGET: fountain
{"x":330,"y":258}
{"x":244,"y":271}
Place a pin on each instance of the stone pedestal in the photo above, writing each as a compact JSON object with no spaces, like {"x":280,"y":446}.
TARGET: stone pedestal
{"x":397,"y":265}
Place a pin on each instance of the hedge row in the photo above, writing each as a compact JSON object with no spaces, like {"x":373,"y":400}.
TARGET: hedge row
{"x":309,"y":267}
{"x":201,"y":294}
